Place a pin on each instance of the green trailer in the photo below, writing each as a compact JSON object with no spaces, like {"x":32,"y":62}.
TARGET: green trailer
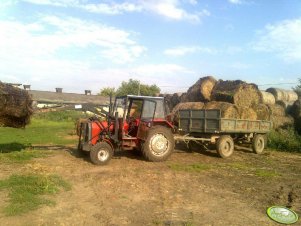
{"x":208,"y":127}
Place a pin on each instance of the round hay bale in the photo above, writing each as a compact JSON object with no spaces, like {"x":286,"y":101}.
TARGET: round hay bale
{"x":247,"y":113}
{"x":236,"y":92}
{"x":227,"y":110}
{"x":263,"y":112}
{"x":282,"y":121}
{"x":201,"y":90}
{"x":175,"y":99}
{"x":184,"y":98}
{"x":12,"y":121}
{"x":184,"y":106}
{"x":283,"y":95}
{"x":188,"y":105}
{"x":15,"y":105}
{"x":267,"y":98}
{"x":276,"y":110}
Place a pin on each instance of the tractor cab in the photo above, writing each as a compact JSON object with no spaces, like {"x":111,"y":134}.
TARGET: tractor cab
{"x":128,"y":126}
{"x":133,"y":111}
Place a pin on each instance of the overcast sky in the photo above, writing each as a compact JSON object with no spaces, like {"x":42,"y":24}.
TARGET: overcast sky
{"x":90,"y":44}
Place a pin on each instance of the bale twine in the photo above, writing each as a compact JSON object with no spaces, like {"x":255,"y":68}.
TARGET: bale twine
{"x":247,"y":113}
{"x":236,"y":92}
{"x":262,"y":111}
{"x":267,"y":98}
{"x":15,"y":106}
{"x":276,"y":110}
{"x":227,"y":110}
{"x":201,"y":90}
{"x":283,"y":95}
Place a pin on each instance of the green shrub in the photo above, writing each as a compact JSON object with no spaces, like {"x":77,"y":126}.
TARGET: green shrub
{"x":285,"y":140}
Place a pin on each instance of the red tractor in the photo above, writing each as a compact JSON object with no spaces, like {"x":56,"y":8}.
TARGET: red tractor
{"x":134,"y":123}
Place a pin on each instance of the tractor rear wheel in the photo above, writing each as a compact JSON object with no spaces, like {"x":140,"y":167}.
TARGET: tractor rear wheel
{"x":159,"y":144}
{"x":101,"y":153}
{"x":258,"y":143}
{"x":225,"y":146}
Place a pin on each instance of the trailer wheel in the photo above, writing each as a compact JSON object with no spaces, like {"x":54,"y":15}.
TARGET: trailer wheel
{"x":225,"y":146}
{"x":101,"y":153}
{"x":258,"y":143}
{"x":159,"y":144}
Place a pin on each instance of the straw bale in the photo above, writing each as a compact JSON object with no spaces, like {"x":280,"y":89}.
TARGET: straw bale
{"x":227,"y":110}
{"x":188,"y":105}
{"x":15,"y":106}
{"x":236,"y":92}
{"x":247,"y":113}
{"x":276,"y":110}
{"x":263,"y":112}
{"x":283,"y":95}
{"x":184,"y":98}
{"x":12,"y":121}
{"x":267,"y":98}
{"x":175,"y":99}
{"x":282,"y":121}
{"x":201,"y":90}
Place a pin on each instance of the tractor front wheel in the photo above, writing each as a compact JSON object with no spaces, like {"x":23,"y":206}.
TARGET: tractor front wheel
{"x":159,"y":144}
{"x":101,"y":153}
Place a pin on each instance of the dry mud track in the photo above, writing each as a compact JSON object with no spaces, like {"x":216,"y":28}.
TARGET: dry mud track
{"x":188,"y":189}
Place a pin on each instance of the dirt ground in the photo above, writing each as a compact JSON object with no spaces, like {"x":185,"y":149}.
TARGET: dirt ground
{"x":188,"y":189}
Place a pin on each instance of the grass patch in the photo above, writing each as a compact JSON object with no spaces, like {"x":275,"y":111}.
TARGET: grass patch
{"x":197,"y":167}
{"x":51,"y":128}
{"x":285,"y":140}
{"x":239,"y":166}
{"x":266,"y":173}
{"x":22,"y":156}
{"x":27,"y":192}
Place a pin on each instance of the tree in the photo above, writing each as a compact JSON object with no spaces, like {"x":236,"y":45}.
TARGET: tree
{"x":107,"y":91}
{"x":297,"y":88}
{"x":134,"y":87}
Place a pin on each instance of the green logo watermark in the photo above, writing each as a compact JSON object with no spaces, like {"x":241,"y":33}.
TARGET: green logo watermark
{"x":282,"y":215}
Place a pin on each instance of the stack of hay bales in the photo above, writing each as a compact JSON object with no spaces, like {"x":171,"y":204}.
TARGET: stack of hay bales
{"x":279,"y":117}
{"x":15,"y":106}
{"x":238,"y":99}
{"x":284,"y":97}
{"x":281,"y":110}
